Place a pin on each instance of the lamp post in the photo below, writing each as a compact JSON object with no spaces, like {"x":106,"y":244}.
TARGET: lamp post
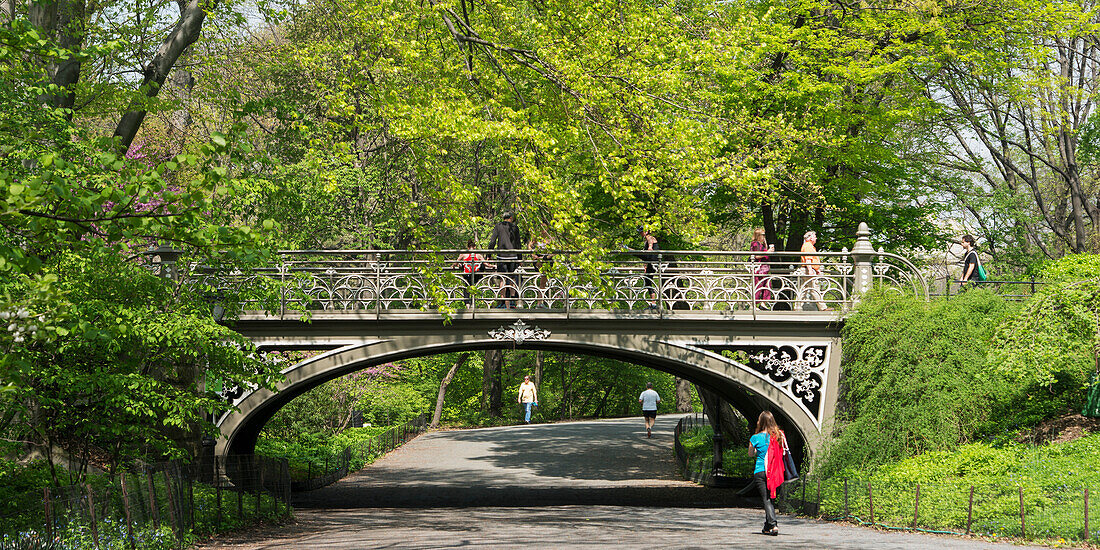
{"x":718,"y":472}
{"x":165,"y":257}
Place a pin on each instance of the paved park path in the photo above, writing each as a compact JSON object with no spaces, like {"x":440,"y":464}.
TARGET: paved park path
{"x":592,"y":484}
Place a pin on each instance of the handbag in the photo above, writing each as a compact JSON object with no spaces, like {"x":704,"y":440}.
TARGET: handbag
{"x":982,"y":276}
{"x":790,"y":472}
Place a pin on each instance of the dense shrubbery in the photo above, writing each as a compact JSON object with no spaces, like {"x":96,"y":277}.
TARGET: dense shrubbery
{"x":1075,"y":267}
{"x":18,"y":482}
{"x":391,"y":404}
{"x":916,"y":378}
{"x":319,"y":449}
{"x":927,"y":377}
{"x":979,"y":485}
{"x":23,"y":515}
{"x":1049,"y":347}
{"x":1072,"y":464}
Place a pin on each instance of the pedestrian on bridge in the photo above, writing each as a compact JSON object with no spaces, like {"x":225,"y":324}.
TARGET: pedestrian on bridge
{"x":649,"y":243}
{"x":505,"y":238}
{"x":811,"y":269}
{"x":649,"y":400}
{"x":767,"y":446}
{"x":972,"y":265}
{"x":471,"y":263}
{"x":528,"y":397}
{"x":760,"y":282}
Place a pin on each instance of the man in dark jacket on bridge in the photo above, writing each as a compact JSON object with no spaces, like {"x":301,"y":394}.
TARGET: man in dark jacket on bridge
{"x":505,"y":238}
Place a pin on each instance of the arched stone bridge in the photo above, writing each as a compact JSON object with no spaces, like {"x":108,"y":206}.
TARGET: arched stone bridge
{"x":760,"y":331}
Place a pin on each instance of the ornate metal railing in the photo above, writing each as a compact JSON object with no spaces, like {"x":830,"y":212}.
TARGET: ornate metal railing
{"x":668,"y":281}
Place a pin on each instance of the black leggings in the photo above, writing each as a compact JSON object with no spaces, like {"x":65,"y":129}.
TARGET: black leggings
{"x":761,"y":481}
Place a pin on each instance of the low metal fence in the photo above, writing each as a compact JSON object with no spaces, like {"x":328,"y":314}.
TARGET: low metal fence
{"x":307,"y":475}
{"x":1015,"y":291}
{"x":161,"y":505}
{"x":695,"y":467}
{"x":1031,"y":511}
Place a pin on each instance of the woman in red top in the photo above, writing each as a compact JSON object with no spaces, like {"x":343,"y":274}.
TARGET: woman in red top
{"x":471,"y":264}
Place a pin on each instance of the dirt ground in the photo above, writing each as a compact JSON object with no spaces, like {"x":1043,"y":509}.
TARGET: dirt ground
{"x":1062,"y":429}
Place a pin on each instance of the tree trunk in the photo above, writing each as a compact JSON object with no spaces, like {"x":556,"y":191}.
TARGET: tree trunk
{"x":796,"y":230}
{"x":538,"y":369}
{"x":603,"y":401}
{"x":182,"y":36}
{"x":443,"y":388}
{"x":491,"y":382}
{"x":771,"y":232}
{"x":683,"y":395}
{"x":723,"y":417}
{"x":64,"y":21}
{"x":487,"y":379}
{"x":565,"y":386}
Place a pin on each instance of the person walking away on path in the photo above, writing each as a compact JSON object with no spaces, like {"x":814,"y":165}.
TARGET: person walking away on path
{"x":528,"y":396}
{"x":505,"y":238}
{"x":649,"y":244}
{"x":971,"y":262}
{"x":767,"y":446}
{"x":760,"y":282}
{"x":811,"y":266}
{"x":649,"y":400}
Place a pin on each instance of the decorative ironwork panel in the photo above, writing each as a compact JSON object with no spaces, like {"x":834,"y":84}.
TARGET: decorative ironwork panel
{"x":800,"y":371}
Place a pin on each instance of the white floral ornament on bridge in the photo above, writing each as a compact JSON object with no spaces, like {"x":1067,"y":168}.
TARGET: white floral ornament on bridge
{"x":520,"y":332}
{"x":782,"y":363}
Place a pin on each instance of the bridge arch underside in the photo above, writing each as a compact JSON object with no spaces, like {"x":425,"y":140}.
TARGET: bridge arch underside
{"x":747,"y":389}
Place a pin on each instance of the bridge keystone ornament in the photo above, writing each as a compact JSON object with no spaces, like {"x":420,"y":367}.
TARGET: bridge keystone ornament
{"x":520,"y":332}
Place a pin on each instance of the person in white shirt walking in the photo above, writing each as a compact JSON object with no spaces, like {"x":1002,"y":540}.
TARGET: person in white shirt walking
{"x":528,"y":397}
{"x":649,"y":400}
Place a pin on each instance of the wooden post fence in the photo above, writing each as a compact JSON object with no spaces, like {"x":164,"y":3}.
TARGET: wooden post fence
{"x":49,"y":512}
{"x":871,"y":502}
{"x":916,"y":506}
{"x":847,"y":511}
{"x":91,"y":515}
{"x":259,"y":491}
{"x":970,"y":511}
{"x":1023,"y":528}
{"x":152,"y":498}
{"x":218,"y":501}
{"x":126,"y":510}
{"x":174,"y":523}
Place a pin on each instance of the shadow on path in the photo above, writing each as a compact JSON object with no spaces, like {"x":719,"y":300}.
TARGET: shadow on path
{"x":607,"y":462}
